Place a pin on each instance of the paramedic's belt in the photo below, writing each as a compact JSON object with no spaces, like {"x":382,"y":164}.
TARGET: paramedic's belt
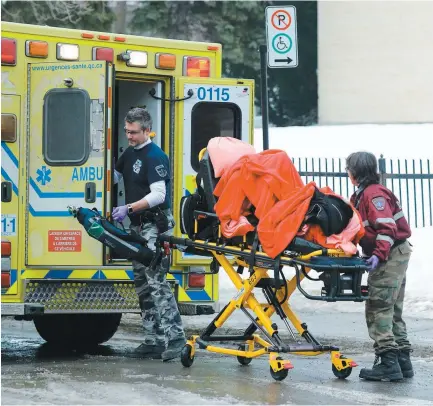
{"x":158,"y":217}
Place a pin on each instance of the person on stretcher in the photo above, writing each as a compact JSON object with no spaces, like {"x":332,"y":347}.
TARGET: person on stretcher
{"x":268,"y":185}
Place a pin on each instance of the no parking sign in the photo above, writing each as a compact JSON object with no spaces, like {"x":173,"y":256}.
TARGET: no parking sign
{"x":281,"y":37}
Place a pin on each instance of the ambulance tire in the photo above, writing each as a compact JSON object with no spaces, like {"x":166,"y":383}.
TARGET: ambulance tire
{"x":77,"y":331}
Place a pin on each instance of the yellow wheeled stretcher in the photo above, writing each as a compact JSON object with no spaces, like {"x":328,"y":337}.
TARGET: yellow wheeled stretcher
{"x":340,"y":274}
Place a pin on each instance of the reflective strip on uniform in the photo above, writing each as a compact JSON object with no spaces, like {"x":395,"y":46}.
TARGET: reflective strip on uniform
{"x":398,"y":215}
{"x":366,"y":223}
{"x":382,"y":237}
{"x":385,"y":220}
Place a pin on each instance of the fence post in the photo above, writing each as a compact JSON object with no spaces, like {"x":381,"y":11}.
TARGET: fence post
{"x":382,"y":170}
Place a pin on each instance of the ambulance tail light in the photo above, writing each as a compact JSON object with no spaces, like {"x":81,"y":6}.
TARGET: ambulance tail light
{"x":9,"y":51}
{"x":37,"y":49}
{"x":196,"y":278}
{"x":6,"y":279}
{"x":6,"y":249}
{"x":196,"y":66}
{"x":165,"y":61}
{"x":6,"y":264}
{"x":68,"y":52}
{"x":103,"y":54}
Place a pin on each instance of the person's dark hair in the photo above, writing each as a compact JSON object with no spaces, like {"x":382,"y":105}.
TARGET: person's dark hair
{"x":141,"y":116}
{"x":363,"y":167}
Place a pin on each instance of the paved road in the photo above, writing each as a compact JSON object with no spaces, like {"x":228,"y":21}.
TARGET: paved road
{"x":34,"y":373}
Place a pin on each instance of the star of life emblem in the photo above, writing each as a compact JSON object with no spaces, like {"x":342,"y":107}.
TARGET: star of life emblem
{"x":137,"y":166}
{"x":160,"y":169}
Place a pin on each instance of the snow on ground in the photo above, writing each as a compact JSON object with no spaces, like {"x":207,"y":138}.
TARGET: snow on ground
{"x":409,"y":141}
{"x":405,"y":141}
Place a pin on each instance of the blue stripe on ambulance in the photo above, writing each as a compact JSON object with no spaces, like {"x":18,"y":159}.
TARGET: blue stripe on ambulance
{"x":40,"y":193}
{"x":7,"y":178}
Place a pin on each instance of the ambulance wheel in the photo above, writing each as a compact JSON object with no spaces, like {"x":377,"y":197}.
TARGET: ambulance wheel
{"x":279,"y":375}
{"x":77,"y":330}
{"x":243,"y":360}
{"x":343,"y":374}
{"x":185,"y":356}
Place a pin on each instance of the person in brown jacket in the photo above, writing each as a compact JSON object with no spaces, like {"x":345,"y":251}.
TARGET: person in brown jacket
{"x":388,"y":250}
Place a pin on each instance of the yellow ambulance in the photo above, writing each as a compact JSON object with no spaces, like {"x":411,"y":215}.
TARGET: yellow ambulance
{"x":65,"y":94}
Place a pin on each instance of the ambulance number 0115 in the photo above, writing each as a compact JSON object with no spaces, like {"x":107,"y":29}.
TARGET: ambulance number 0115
{"x":213,"y":93}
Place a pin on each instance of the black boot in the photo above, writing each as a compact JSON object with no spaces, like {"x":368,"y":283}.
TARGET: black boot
{"x":149,"y":351}
{"x":405,"y":363}
{"x":387,"y":370}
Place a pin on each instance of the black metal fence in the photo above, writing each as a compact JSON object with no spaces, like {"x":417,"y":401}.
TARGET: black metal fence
{"x":411,"y":180}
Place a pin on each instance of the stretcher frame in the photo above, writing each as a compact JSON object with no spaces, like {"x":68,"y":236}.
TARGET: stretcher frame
{"x":278,"y":292}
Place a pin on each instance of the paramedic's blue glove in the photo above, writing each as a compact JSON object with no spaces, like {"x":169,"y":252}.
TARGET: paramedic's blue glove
{"x":119,"y":213}
{"x":372,"y":262}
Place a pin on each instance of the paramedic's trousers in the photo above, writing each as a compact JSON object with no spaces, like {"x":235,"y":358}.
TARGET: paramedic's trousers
{"x":384,"y":308}
{"x":161,"y":318}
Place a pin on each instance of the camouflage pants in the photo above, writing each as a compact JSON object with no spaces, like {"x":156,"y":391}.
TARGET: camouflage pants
{"x":384,"y":308}
{"x":161,"y":319}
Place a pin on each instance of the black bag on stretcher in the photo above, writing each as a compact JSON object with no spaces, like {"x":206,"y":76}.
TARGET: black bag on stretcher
{"x":130,"y":246}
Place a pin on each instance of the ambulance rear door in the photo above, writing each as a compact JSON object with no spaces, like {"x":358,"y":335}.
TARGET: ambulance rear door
{"x":68,"y":108}
{"x":211,"y":108}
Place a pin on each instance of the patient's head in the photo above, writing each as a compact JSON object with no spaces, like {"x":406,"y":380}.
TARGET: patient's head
{"x":362,"y":168}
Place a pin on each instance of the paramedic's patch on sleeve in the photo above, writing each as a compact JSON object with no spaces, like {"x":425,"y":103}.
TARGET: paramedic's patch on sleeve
{"x":160,"y":169}
{"x":379,"y":203}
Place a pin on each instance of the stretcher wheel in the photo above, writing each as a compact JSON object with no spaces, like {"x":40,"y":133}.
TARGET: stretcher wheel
{"x":343,"y":374}
{"x":279,"y":375}
{"x":185,"y":356}
{"x":243,"y":360}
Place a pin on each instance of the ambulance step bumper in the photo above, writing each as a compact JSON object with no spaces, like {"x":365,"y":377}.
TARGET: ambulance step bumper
{"x":22,"y":309}
{"x":195,"y":309}
{"x":82,"y":296}
{"x":85,"y":296}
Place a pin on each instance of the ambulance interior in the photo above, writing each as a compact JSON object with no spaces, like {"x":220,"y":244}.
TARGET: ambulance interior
{"x":129,"y":94}
{"x":208,"y":120}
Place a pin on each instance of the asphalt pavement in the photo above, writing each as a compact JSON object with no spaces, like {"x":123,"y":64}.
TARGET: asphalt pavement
{"x":35,"y":373}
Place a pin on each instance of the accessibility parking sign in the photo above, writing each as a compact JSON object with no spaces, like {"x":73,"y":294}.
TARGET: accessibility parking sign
{"x":281,"y":36}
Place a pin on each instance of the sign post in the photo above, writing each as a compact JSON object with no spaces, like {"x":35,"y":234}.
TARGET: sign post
{"x":281,"y":51}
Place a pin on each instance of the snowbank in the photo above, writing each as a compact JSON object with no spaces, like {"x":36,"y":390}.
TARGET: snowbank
{"x":405,"y":141}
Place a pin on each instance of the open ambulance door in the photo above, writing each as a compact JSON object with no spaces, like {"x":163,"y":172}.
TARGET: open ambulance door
{"x":211,"y":108}
{"x":69,"y":136}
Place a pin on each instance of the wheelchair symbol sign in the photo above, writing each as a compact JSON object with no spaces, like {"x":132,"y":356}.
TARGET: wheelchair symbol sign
{"x":282,"y":43}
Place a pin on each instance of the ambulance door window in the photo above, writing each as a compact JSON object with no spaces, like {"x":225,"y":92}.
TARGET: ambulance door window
{"x":209,"y":120}
{"x":66,"y":132}
{"x":9,"y":127}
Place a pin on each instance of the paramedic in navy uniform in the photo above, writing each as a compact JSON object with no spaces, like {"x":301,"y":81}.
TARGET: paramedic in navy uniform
{"x":145,"y":170}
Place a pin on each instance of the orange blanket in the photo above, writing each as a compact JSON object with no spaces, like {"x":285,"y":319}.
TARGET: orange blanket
{"x":271,"y":183}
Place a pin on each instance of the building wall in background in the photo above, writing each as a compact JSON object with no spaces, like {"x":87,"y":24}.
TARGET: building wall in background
{"x":375,"y":62}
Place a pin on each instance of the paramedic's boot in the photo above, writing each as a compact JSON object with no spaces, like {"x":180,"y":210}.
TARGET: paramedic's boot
{"x":387,"y":370}
{"x":405,"y":363}
{"x":174,"y":348}
{"x":150,"y":351}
